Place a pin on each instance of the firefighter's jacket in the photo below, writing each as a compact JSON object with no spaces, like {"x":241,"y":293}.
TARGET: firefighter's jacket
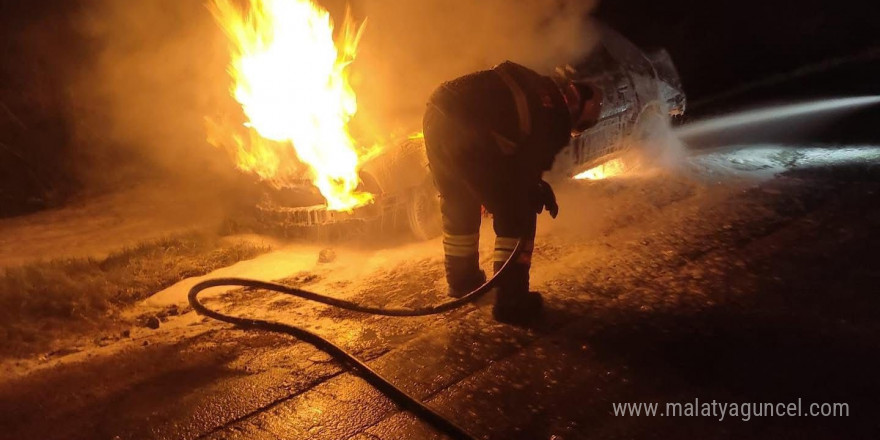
{"x":510,"y":110}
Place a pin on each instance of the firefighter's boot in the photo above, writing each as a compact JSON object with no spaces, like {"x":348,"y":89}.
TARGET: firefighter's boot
{"x":514,"y":303}
{"x":463,"y":272}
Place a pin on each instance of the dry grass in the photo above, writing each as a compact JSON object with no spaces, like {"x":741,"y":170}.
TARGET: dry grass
{"x":41,"y":300}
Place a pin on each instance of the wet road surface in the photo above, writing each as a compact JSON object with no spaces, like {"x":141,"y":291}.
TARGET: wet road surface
{"x":658,"y":289}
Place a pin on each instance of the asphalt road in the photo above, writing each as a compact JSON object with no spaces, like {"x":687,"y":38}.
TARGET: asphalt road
{"x":665,"y":287}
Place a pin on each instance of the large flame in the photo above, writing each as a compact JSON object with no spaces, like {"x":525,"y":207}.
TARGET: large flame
{"x":292,"y":82}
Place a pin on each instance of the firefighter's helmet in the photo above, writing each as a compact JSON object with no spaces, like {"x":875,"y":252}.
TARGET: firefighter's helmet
{"x":583,"y":98}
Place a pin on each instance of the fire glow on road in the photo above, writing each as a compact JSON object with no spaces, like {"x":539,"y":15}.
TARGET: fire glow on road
{"x":602,"y":171}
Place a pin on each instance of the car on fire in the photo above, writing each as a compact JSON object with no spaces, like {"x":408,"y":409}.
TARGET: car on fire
{"x":638,"y":89}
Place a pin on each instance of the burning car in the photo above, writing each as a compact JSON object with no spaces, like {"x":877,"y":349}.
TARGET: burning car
{"x":392,"y":189}
{"x":404,"y":198}
{"x":638,"y":90}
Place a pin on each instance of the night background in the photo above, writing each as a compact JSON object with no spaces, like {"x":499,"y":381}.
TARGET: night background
{"x":729,"y":55}
{"x":739,"y":264}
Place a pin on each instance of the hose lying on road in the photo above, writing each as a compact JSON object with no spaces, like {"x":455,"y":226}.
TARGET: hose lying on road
{"x":399,"y":396}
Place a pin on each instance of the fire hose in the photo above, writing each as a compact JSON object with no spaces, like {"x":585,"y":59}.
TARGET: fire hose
{"x":399,"y":396}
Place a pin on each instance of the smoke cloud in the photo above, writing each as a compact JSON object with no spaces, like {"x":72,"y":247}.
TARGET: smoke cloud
{"x":410,"y":47}
{"x":157,"y":69}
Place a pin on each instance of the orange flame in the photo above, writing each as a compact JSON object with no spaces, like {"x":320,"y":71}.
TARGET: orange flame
{"x":604,"y":170}
{"x":291,"y":80}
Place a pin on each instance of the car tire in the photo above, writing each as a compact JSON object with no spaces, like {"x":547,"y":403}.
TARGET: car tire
{"x":423,"y":213}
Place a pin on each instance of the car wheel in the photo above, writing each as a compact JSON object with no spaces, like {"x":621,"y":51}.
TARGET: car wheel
{"x":423,"y":213}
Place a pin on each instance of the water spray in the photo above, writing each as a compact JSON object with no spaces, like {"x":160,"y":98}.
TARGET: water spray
{"x":773,"y":114}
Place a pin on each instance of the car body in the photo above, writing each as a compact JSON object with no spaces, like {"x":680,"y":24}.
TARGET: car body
{"x":636,"y":88}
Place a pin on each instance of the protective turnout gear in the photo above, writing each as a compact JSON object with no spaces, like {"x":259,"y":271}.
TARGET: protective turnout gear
{"x":514,"y":303}
{"x":545,"y":198}
{"x":463,"y":272}
{"x":582,"y":98}
{"x":591,"y":106}
{"x":463,"y":282}
{"x":489,"y":137}
{"x":518,"y":309}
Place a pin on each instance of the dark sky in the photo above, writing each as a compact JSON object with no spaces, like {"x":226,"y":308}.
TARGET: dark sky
{"x":719,"y":45}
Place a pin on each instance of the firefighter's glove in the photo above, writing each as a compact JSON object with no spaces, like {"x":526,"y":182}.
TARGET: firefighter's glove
{"x":545,"y":199}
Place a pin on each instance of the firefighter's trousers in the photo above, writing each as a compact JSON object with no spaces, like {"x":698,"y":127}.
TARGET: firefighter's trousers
{"x":470,"y":172}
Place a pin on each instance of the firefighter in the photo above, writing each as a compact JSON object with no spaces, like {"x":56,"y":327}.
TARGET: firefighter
{"x":489,"y":136}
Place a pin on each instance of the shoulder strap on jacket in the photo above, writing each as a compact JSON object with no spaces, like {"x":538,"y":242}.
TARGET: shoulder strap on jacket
{"x":519,"y":97}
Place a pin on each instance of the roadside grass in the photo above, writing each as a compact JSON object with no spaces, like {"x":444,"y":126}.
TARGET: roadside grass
{"x":44,"y":300}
